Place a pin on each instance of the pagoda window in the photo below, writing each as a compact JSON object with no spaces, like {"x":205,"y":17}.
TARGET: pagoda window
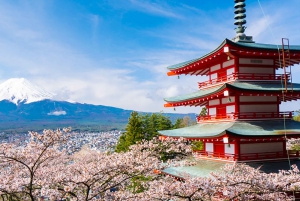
{"x":230,"y":73}
{"x":255,"y":61}
{"x":258,"y":99}
{"x":209,"y":147}
{"x":229,"y":148}
{"x":212,"y":111}
{"x":230,"y":109}
{"x":214,"y":77}
{"x":215,"y":67}
{"x":228,"y":100}
{"x":261,"y":147}
{"x":259,"y":108}
{"x":228,"y":63}
{"x":261,"y":70}
{"x":214,"y":102}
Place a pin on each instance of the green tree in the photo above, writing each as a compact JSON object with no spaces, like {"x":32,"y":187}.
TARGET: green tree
{"x":187,"y":121}
{"x":197,"y":145}
{"x":133,"y":134}
{"x":141,"y":127}
{"x":203,"y":112}
{"x":178,"y":123}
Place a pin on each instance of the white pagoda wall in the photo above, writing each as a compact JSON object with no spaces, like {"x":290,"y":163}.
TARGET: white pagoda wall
{"x":209,"y":147}
{"x":259,"y":108}
{"x":229,"y":148}
{"x":228,"y":102}
{"x":261,"y":147}
{"x":251,"y":104}
{"x":256,"y":70}
{"x":258,"y":99}
{"x":255,"y":61}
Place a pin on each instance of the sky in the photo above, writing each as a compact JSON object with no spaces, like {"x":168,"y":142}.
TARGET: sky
{"x":115,"y":52}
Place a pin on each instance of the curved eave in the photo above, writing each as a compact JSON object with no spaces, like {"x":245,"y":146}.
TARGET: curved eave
{"x":197,"y":98}
{"x":259,"y":50}
{"x":269,"y":128}
{"x":240,"y":129}
{"x":205,"y":130}
{"x":266,"y":89}
{"x":201,"y":97}
{"x":196,"y":66}
{"x":263,"y":86}
{"x":262,"y":46}
{"x":199,"y":66}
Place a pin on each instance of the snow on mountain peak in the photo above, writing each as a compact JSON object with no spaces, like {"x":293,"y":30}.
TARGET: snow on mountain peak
{"x":18,"y":90}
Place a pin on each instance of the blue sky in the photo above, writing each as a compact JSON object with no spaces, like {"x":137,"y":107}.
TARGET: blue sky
{"x":115,"y":52}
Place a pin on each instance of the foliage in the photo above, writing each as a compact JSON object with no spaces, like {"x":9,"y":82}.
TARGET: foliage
{"x":40,"y":169}
{"x":203,"y":112}
{"x":23,"y":170}
{"x":142,"y":127}
{"x":293,"y":144}
{"x":197,"y":145}
{"x":184,"y":122}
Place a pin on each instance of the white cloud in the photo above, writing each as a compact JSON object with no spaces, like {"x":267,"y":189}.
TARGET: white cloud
{"x":159,"y":8}
{"x":27,"y":49}
{"x":57,"y":113}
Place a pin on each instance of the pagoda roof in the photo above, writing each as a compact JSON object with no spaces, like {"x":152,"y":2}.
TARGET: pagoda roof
{"x":204,"y":167}
{"x":267,"y":87}
{"x":250,"y":128}
{"x":242,"y":48}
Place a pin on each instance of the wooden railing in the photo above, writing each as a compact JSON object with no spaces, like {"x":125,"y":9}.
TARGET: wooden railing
{"x":246,"y":115}
{"x":207,"y":154}
{"x":243,"y":76}
{"x":263,"y":115}
{"x":247,"y":157}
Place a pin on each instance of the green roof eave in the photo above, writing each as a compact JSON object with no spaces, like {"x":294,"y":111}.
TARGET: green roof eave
{"x":239,"y":85}
{"x":240,"y":128}
{"x":203,"y":130}
{"x":194,"y":95}
{"x":182,"y":64}
{"x":203,"y":168}
{"x":265,"y":128}
{"x":258,"y":46}
{"x":262,"y":86}
{"x":263,"y":46}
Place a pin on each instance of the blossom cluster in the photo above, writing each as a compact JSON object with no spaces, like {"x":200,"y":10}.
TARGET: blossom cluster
{"x":40,"y":169}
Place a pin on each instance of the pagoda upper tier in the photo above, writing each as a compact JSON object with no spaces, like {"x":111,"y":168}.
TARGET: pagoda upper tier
{"x":230,"y":51}
{"x":234,"y":89}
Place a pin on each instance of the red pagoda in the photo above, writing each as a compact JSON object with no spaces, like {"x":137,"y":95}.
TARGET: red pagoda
{"x":242,"y":95}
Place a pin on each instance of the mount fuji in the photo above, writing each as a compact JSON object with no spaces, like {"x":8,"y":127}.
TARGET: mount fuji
{"x":25,"y":106}
{"x":20,"y":90}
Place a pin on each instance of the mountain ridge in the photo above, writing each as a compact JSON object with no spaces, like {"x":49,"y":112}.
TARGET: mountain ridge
{"x":20,"y":90}
{"x":80,"y":116}
{"x":25,"y":106}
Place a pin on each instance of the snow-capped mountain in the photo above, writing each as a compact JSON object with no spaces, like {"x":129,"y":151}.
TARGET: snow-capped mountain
{"x":19,"y":90}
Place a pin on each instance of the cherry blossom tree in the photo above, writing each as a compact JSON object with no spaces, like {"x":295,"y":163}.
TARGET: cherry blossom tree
{"x":25,"y":170}
{"x":94,"y":175}
{"x":41,"y":169}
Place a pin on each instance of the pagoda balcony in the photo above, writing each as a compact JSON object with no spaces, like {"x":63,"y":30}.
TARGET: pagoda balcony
{"x":246,"y":157}
{"x":243,"y":76}
{"x":246,"y":115}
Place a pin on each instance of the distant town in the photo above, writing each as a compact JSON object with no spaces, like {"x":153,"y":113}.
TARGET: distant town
{"x":100,"y":141}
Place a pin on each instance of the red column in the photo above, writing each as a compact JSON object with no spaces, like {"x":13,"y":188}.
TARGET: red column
{"x":237,"y":148}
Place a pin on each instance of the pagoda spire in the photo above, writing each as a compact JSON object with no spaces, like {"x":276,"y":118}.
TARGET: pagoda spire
{"x":240,"y":15}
